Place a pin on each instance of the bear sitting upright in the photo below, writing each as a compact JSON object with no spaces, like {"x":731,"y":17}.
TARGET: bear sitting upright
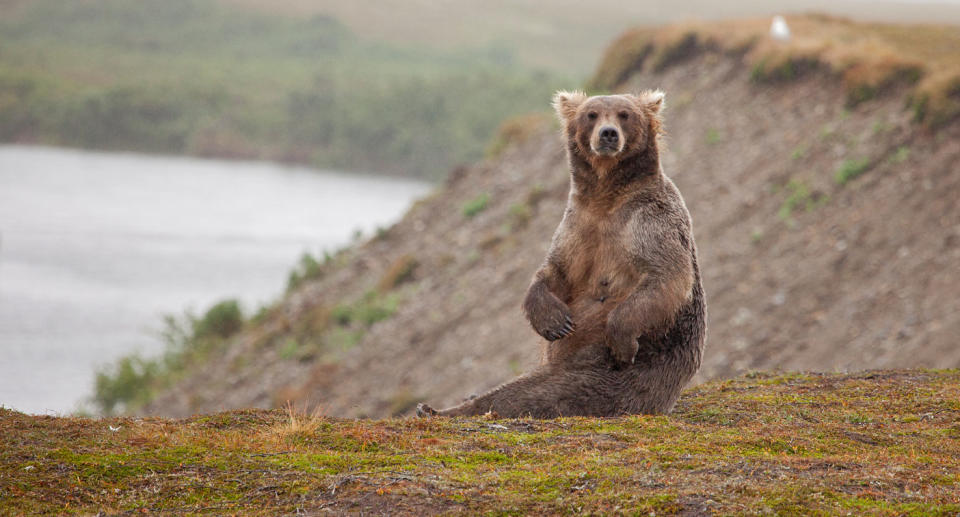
{"x":619,"y":297}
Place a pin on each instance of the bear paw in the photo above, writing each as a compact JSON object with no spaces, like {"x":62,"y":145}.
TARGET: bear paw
{"x":554,"y":323}
{"x":548,"y":315}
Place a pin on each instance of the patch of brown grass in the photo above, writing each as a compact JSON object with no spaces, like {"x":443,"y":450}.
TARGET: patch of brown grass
{"x":400,"y":271}
{"x":298,"y":424}
{"x":869,"y":58}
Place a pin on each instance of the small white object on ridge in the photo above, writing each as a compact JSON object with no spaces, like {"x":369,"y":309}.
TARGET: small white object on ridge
{"x":779,"y":29}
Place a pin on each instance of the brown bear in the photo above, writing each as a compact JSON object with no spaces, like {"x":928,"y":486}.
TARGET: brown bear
{"x":619,"y":297}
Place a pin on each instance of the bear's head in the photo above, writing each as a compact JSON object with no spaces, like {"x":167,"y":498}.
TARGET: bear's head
{"x":607,"y":129}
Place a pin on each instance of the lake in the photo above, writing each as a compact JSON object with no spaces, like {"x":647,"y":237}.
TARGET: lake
{"x":96,"y":247}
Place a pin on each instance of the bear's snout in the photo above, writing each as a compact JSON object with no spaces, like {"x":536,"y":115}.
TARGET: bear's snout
{"x":608,"y":140}
{"x":609,"y":134}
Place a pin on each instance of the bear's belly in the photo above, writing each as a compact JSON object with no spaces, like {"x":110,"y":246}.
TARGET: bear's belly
{"x":590,"y":308}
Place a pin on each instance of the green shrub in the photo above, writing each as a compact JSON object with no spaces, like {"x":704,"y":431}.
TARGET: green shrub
{"x":476,"y":205}
{"x":784,"y":70}
{"x":798,"y":197}
{"x":220,"y":322}
{"x":375,"y":307}
{"x":126,"y":382}
{"x":342,"y":314}
{"x":307,"y":269}
{"x":371,"y":308}
{"x":133,"y":380}
{"x":851,"y":169}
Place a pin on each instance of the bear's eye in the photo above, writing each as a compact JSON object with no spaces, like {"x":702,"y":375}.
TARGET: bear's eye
{"x":623,"y":115}
{"x":592,"y":115}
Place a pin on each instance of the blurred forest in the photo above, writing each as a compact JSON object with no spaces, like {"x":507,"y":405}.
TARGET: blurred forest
{"x":194,"y":77}
{"x":409,"y":88}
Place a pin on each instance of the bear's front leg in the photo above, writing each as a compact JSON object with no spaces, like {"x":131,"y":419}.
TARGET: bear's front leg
{"x":651,"y":308}
{"x":548,"y":315}
{"x":622,"y":338}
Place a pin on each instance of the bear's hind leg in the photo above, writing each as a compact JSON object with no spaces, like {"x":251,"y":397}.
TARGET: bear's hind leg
{"x":547,"y":392}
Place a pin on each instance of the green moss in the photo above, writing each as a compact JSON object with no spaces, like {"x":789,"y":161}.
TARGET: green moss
{"x":900,"y":155}
{"x":799,"y":196}
{"x":341,"y":339}
{"x":713,"y":136}
{"x":290,"y":350}
{"x":859,"y":419}
{"x":520,"y":214}
{"x":880,"y":127}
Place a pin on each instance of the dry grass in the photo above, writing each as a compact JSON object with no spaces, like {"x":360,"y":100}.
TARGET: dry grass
{"x":874,"y":443}
{"x":298,"y":425}
{"x":401,"y":270}
{"x":869,"y":58}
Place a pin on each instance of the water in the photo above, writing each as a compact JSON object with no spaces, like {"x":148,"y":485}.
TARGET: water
{"x":96,"y":247}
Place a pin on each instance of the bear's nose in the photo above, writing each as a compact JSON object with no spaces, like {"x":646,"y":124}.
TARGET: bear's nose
{"x":609,"y":133}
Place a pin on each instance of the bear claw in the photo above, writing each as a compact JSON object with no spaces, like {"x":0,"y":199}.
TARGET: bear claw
{"x":567,"y":329}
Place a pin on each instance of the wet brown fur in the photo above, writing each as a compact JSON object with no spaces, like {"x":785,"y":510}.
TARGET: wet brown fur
{"x":619,"y":297}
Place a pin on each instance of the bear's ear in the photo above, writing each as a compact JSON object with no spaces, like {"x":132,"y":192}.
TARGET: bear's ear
{"x":652,"y":100}
{"x":566,"y":104}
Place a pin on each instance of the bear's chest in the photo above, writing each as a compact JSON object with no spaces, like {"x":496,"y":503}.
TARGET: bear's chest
{"x":602,"y":262}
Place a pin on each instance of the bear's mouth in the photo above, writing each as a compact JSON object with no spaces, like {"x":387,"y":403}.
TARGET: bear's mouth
{"x":605,"y":149}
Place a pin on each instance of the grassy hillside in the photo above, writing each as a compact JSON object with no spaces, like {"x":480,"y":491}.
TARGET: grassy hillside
{"x":876,"y":443}
{"x":869,"y":59}
{"x":196,"y":77}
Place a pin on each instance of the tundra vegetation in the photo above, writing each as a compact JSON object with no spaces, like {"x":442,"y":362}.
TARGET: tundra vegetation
{"x":871,"y":443}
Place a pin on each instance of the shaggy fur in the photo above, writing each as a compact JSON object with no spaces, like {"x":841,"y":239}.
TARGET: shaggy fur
{"x":618,"y":297}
